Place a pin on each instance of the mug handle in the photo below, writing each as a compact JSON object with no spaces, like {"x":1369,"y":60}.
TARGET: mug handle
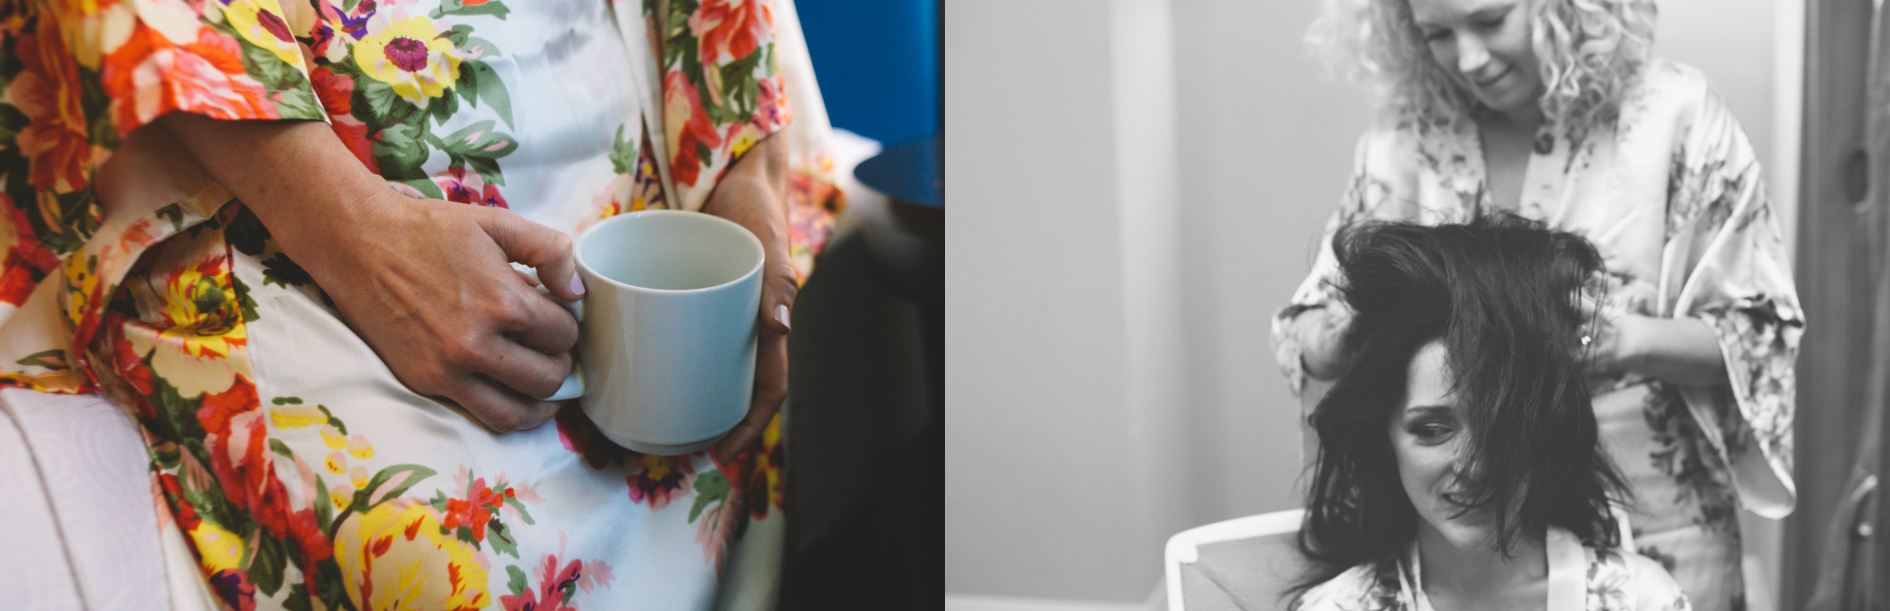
{"x":573,"y":386}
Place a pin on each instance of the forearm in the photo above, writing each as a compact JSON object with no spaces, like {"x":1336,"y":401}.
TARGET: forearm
{"x":300,"y":181}
{"x":1678,"y":350}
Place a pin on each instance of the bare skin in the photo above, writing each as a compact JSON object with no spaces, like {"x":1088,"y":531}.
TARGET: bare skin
{"x":428,"y":285}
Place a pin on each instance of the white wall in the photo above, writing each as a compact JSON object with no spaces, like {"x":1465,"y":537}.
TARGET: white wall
{"x":1090,"y":418}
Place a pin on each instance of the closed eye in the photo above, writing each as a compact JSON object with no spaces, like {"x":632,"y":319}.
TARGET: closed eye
{"x":1431,"y":433}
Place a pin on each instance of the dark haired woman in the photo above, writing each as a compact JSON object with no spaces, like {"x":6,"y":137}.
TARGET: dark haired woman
{"x":1459,"y":465}
{"x":1558,"y":110}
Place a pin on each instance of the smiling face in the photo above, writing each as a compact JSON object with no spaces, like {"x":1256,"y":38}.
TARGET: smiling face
{"x":1427,"y":436}
{"x":1485,"y":46}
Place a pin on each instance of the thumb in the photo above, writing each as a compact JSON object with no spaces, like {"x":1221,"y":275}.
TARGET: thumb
{"x":546,"y":249}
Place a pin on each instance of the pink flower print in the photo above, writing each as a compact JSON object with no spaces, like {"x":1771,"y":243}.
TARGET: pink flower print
{"x":468,"y":188}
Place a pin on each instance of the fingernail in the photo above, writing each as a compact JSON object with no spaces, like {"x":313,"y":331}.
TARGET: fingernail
{"x":781,"y":314}
{"x":577,"y":285}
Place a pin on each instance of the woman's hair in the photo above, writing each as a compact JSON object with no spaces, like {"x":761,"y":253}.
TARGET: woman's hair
{"x":1501,"y":294}
{"x":1590,"y":51}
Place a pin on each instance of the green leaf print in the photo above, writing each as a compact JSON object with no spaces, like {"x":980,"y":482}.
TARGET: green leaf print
{"x":400,"y":149}
{"x":623,"y":153}
{"x":298,"y":598}
{"x":175,"y":213}
{"x":479,"y":146}
{"x":324,"y":508}
{"x":282,"y":271}
{"x":402,"y":476}
{"x":269,"y":69}
{"x":52,"y":360}
{"x":244,"y":301}
{"x":478,"y":81}
{"x":246,"y":232}
{"x":425,"y":186}
{"x":710,"y":487}
{"x":522,"y":513}
{"x":501,"y":539}
{"x":276,"y":445}
{"x":516,"y":581}
{"x":266,"y":568}
{"x":331,"y":417}
{"x":385,"y":106}
{"x":458,"y":7}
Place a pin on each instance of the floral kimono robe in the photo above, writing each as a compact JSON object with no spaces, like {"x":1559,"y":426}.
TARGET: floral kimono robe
{"x":1671,"y":195}
{"x":1581,"y":578}
{"x":288,"y":463}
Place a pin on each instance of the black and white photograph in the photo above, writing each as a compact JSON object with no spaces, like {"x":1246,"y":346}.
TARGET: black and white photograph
{"x":1417,"y":304}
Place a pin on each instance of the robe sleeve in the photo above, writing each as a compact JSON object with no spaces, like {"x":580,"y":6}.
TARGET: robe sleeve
{"x":77,"y":78}
{"x":733,"y":74}
{"x":1370,"y":194}
{"x":1739,"y":283}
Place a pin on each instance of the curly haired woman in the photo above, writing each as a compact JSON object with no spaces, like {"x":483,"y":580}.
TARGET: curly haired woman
{"x":1557,"y":111}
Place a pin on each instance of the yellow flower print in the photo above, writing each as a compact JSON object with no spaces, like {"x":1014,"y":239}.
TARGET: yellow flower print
{"x":358,"y":446}
{"x":202,"y":312}
{"x":409,"y":54}
{"x":401,"y":558}
{"x":358,"y":476}
{"x":337,"y":462}
{"x":296,"y":416}
{"x":221,"y":549}
{"x":333,"y":438}
{"x":341,"y":497}
{"x":260,"y":22}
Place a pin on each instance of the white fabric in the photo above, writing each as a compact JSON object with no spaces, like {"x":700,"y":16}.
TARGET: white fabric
{"x":92,"y":540}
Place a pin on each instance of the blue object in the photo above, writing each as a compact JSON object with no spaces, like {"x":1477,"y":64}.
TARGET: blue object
{"x":878,"y":64}
{"x":911,"y":172}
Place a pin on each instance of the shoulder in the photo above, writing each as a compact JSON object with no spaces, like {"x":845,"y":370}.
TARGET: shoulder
{"x":1359,"y":588}
{"x":1670,"y":93}
{"x":1625,"y":581}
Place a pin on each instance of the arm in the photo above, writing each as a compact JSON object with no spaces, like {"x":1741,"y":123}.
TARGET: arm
{"x":426,"y":283}
{"x":1678,"y":350}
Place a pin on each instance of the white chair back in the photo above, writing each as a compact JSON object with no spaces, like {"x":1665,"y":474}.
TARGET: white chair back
{"x":1243,"y":564}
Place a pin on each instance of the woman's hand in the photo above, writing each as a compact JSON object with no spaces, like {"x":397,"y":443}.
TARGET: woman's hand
{"x":1677,"y":350}
{"x":426,"y":283}
{"x":753,"y":193}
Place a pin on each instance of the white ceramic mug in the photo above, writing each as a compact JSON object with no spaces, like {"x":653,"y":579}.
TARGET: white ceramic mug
{"x":667,"y":327}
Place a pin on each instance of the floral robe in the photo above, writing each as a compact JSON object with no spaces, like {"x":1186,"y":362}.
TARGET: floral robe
{"x":1672,"y":196}
{"x":287,"y":460}
{"x":1581,"y":578}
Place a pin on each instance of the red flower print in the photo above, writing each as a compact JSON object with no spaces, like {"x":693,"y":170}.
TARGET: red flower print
{"x":148,"y":76}
{"x":235,"y":589}
{"x":660,"y":479}
{"x":771,"y":108}
{"x":475,"y":510}
{"x":554,"y":586}
{"x":730,"y":29}
{"x":581,"y":436}
{"x":307,"y":536}
{"x":271,"y":508}
{"x":219,"y":408}
{"x":335,"y":90}
{"x":466,"y":188}
{"x":354,"y":133}
{"x":187,"y":518}
{"x":129,"y":366}
{"x":48,"y":93}
{"x":688,"y":127}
